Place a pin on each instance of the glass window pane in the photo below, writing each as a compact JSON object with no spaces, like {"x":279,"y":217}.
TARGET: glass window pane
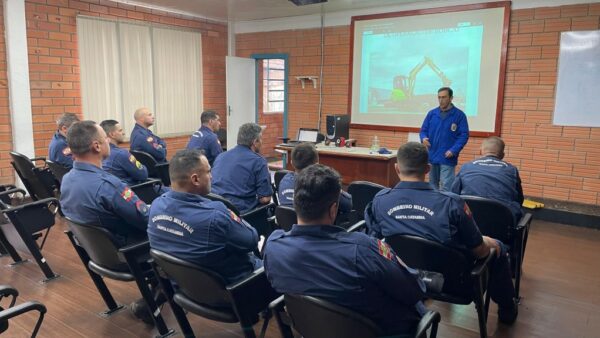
{"x":275,"y":96}
{"x":277,"y":63}
{"x":276,"y":74}
{"x":275,"y":107}
{"x":276,"y":85}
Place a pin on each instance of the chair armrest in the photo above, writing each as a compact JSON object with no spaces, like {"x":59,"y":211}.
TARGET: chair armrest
{"x":277,"y":305}
{"x":22,"y":308}
{"x":46,"y":201}
{"x":258,"y":209}
{"x":253,"y":293}
{"x":160,"y":165}
{"x":139,"y":247}
{"x":147,"y":182}
{"x":8,"y":186}
{"x":7,"y":290}
{"x":13,"y":191}
{"x":483,"y":263}
{"x":360,"y":225}
{"x":430,"y":319}
{"x":525,"y":221}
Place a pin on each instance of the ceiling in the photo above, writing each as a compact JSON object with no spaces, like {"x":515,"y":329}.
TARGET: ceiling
{"x":247,"y":10}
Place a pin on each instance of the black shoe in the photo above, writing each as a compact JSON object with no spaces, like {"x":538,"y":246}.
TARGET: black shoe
{"x":141,"y":311}
{"x":508,"y":315}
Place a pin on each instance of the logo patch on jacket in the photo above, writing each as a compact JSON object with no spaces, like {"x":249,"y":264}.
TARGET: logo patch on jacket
{"x":234,"y":216}
{"x":127,"y":194}
{"x":468,"y":211}
{"x":453,"y":127}
{"x":66,"y":151}
{"x":385,"y":250}
{"x":149,"y":139}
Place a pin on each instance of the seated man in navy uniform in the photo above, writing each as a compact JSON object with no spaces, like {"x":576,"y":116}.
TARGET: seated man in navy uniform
{"x":142,"y":138}
{"x":491,"y":177}
{"x":121,"y":162}
{"x":353,"y":270}
{"x":303,"y":155}
{"x":241,"y":174}
{"x":414,"y":207}
{"x":186,"y":225}
{"x":59,"y":151}
{"x":205,"y":138}
{"x":90,"y":195}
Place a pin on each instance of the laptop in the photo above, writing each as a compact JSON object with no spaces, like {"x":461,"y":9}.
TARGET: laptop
{"x":304,"y":135}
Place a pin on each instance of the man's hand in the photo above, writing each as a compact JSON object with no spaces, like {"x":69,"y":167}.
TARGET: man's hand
{"x":449,"y":154}
{"x":492,"y":243}
{"x":426,"y":142}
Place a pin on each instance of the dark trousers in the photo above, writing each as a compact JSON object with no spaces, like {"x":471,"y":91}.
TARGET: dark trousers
{"x":501,"y":287}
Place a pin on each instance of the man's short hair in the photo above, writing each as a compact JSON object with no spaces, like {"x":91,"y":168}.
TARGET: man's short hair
{"x":208,"y":115}
{"x":248,"y":133}
{"x":303,"y":155}
{"x":67,"y":120}
{"x":493,"y":144}
{"x":81,"y":135}
{"x":316,"y":188}
{"x":448,"y":89}
{"x":183,"y":163}
{"x":139,"y":112}
{"x":108,"y":125}
{"x":412,"y":159}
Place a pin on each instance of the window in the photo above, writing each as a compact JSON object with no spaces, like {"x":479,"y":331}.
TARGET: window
{"x":273,"y":85}
{"x":128,"y":65}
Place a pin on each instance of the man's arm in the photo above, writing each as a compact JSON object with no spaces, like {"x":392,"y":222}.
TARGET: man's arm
{"x":371,"y":221}
{"x":264,"y":190}
{"x":133,"y":167}
{"x":152,"y":147}
{"x":127,"y":205}
{"x":457,"y":185}
{"x":520,"y":197}
{"x":424,"y":133}
{"x":240,"y":235}
{"x":463,"y":136}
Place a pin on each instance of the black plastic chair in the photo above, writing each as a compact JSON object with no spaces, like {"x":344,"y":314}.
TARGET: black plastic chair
{"x":313,"y":317}
{"x":465,"y":278}
{"x":29,"y":220}
{"x":277,"y":177}
{"x":58,"y":170}
{"x":362,"y":194}
{"x":205,"y":293}
{"x":101,"y":257}
{"x":148,"y":191}
{"x":494,"y":219}
{"x":39,"y":181}
{"x":215,"y":197}
{"x":16,"y":310}
{"x":155,"y":169}
{"x":285,"y":217}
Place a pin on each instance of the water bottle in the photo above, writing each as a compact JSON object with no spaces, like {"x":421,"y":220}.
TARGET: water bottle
{"x":375,"y":144}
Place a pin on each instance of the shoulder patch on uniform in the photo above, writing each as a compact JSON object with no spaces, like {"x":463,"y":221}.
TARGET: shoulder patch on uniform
{"x":66,"y":151}
{"x":141,"y":206}
{"x":131,"y":158}
{"x":453,"y":127}
{"x":468,"y":211}
{"x":127,"y":194}
{"x":149,"y":139}
{"x":138,"y":164}
{"x":385,"y":250}
{"x":234,"y":216}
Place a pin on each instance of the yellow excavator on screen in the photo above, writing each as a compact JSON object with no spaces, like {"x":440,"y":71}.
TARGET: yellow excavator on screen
{"x":404,"y":86}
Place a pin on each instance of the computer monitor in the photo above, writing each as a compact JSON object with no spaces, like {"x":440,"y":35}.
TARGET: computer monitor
{"x":307,"y":135}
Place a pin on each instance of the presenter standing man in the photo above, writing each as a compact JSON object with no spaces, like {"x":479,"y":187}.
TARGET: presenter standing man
{"x":444,"y":132}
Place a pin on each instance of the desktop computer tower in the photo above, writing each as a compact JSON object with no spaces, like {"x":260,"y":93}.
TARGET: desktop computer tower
{"x":338,"y":126}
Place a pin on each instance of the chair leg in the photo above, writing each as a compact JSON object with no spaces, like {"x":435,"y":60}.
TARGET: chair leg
{"x":248,"y":331}
{"x":97,"y":279}
{"x":143,"y":286}
{"x":481,"y":318}
{"x":10,"y":249}
{"x":480,"y":305}
{"x":178,"y":312}
{"x":37,"y":255}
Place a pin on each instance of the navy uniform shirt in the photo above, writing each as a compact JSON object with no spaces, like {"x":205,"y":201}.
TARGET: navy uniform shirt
{"x":90,"y":195}
{"x":207,"y":141}
{"x":350,"y":269}
{"x":285,"y":194}
{"x":59,"y":151}
{"x":445,"y":133}
{"x":241,"y":176}
{"x":125,"y":166}
{"x":142,"y":139}
{"x":415,"y":208}
{"x":492,"y":178}
{"x":204,"y":232}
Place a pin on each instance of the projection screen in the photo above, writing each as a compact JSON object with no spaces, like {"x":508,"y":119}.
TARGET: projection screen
{"x":400,"y":60}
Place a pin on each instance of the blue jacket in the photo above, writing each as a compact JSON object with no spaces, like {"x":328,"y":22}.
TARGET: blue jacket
{"x":207,"y":141}
{"x":241,"y":176}
{"x":350,"y":269}
{"x":450,"y":133}
{"x":92,"y":196}
{"x":59,"y":151}
{"x":142,"y":139}
{"x":492,"y":178}
{"x":285,"y":194}
{"x":125,"y":166}
{"x":203,"y":232}
{"x":416,"y":208}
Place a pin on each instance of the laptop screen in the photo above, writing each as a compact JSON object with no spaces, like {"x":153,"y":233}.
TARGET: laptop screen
{"x":307,"y":135}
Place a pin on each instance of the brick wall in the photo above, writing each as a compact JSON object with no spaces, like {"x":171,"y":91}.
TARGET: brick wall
{"x":6,"y":171}
{"x":556,"y":162}
{"x":54,"y":60}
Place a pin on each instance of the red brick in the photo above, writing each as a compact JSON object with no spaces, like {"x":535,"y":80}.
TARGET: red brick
{"x":557,"y":25}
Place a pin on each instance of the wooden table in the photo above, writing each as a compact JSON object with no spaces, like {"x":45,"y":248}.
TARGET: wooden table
{"x":355,"y":164}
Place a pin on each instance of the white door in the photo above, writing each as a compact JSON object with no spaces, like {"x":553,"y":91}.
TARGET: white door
{"x":241,"y":95}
